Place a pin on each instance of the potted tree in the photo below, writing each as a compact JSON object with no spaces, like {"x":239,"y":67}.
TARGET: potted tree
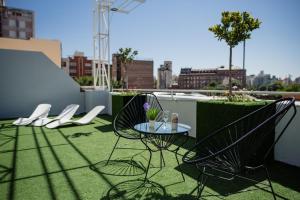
{"x":126,"y":56}
{"x":234,"y":28}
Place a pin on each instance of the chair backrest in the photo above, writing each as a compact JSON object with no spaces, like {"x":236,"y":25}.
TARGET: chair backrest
{"x":87,"y":118}
{"x":134,"y":113}
{"x":72,"y":108}
{"x":42,"y":110}
{"x":249,"y":138}
{"x":68,"y":112}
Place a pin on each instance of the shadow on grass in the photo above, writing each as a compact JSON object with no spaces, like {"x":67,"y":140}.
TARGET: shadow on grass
{"x":5,"y":139}
{"x":4,"y":171}
{"x":139,"y":189}
{"x":79,"y":134}
{"x":119,"y":168}
{"x":285,"y":175}
{"x":105,"y":128}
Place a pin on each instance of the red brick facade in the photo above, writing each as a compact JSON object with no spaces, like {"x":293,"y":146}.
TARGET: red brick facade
{"x":140,"y":73}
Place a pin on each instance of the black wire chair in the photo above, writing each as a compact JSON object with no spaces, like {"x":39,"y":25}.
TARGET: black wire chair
{"x":242,"y":145}
{"x":131,"y":114}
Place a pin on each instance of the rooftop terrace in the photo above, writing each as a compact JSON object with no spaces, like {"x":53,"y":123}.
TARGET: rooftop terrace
{"x":69,"y":163}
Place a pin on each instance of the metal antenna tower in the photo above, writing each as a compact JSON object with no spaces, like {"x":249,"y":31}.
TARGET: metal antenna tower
{"x":101,"y":38}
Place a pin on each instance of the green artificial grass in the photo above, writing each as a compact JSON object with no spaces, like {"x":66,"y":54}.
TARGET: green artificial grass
{"x":70,"y":163}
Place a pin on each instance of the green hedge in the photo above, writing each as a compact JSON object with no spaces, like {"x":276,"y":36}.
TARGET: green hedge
{"x":212,"y":115}
{"x":118,"y":101}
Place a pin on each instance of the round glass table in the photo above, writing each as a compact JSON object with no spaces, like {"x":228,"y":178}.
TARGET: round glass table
{"x":162,"y":129}
{"x":161,"y":137}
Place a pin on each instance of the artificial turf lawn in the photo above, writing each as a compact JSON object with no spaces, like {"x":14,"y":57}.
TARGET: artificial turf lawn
{"x":69,"y":163}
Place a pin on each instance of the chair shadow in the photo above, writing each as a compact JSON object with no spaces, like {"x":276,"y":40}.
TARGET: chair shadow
{"x":135,"y":189}
{"x":285,"y":175}
{"x":120,"y":167}
{"x":4,"y":172}
{"x":139,"y":189}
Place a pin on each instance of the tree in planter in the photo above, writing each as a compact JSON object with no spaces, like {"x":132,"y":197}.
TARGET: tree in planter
{"x":234,"y":28}
{"x":126,"y":56}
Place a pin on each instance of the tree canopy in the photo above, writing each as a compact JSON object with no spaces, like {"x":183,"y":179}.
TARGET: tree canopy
{"x":235,"y":27}
{"x":126,"y":55}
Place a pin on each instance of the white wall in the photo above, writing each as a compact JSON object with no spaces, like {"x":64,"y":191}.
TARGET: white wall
{"x":287,"y":149}
{"x":97,"y":97}
{"x":29,"y":78}
{"x":187,"y":110}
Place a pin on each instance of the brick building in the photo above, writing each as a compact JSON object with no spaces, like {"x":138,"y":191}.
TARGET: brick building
{"x":78,"y":65}
{"x":16,"y":23}
{"x":199,"y":78}
{"x":140,"y":73}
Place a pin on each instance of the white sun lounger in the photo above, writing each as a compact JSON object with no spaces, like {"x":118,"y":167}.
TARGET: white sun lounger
{"x":86,"y":119}
{"x":67,"y":113}
{"x":41,"y":111}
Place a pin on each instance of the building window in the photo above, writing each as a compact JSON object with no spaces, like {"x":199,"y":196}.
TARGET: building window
{"x":12,"y":34}
{"x":12,"y":23}
{"x":72,"y":64}
{"x":22,"y":34}
{"x":22,"y":24}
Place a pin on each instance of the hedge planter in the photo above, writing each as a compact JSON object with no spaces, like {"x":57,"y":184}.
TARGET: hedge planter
{"x":212,"y":115}
{"x":120,"y":100}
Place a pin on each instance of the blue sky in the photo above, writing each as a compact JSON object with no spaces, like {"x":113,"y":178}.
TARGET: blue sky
{"x":177,"y":30}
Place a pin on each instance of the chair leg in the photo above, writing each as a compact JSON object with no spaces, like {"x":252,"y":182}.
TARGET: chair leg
{"x":113,"y":150}
{"x":202,"y":178}
{"x":162,"y":159}
{"x":269,"y":180}
{"x":148,"y":164}
{"x":176,"y":156}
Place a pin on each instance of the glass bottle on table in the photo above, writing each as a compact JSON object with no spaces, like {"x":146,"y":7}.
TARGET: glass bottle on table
{"x":166,"y":114}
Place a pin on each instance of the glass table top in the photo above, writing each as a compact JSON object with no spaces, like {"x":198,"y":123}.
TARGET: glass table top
{"x":160,"y":129}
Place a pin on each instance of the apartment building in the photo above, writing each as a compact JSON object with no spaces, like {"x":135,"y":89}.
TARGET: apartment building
{"x":139,"y":72}
{"x":78,"y":65}
{"x":164,"y":75}
{"x":199,"y":78}
{"x":16,"y":23}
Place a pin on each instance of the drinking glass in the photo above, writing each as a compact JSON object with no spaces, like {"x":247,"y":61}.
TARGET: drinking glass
{"x":166,"y":114}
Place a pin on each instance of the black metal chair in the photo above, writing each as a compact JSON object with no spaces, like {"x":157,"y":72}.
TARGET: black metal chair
{"x":131,"y":114}
{"x":242,"y":145}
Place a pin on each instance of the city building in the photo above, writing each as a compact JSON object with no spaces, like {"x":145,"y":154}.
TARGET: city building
{"x":16,"y":22}
{"x":250,"y":80}
{"x":164,"y":75}
{"x":297,"y":80}
{"x":78,"y":65}
{"x":200,"y":78}
{"x":139,"y":72}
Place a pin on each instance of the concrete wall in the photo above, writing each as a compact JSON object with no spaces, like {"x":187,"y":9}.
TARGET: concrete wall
{"x":186,"y":110}
{"x":51,"y":48}
{"x":97,"y":97}
{"x":287,"y":149}
{"x":29,"y":78}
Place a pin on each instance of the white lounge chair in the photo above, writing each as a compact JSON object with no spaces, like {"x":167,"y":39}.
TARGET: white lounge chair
{"x":41,"y":111}
{"x":67,"y":113}
{"x":86,"y":119}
